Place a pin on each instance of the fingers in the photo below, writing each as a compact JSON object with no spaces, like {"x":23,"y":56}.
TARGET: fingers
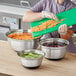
{"x":63,"y":29}
{"x":70,"y":26}
{"x":55,"y":17}
{"x":49,"y":15}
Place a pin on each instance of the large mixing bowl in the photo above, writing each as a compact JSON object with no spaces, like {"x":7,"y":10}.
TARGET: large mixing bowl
{"x":20,"y":45}
{"x":54,"y":48}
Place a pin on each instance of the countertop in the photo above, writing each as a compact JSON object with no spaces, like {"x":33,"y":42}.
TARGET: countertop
{"x":10,"y":64}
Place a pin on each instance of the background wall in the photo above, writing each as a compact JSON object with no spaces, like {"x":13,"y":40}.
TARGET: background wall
{"x":17,"y":2}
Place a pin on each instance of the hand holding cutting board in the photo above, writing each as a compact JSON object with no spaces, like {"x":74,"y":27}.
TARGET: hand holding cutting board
{"x":70,"y":19}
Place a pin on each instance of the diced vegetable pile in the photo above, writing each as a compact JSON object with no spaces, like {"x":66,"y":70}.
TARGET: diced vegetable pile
{"x":21,"y":36}
{"x":31,"y":55}
{"x":45,"y":25}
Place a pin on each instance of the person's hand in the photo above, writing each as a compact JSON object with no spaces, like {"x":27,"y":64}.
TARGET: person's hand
{"x":46,"y":14}
{"x":63,"y":29}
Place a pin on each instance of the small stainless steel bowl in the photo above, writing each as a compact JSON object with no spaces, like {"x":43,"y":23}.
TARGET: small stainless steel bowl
{"x":32,"y":62}
{"x":20,"y":45}
{"x":54,"y":52}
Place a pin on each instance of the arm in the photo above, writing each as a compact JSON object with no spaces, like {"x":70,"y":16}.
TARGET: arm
{"x":37,"y":13}
{"x":64,"y":32}
{"x":69,"y":33}
{"x":31,"y":16}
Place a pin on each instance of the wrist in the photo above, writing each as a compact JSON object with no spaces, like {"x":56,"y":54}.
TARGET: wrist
{"x":40,"y":15}
{"x":68,"y":35}
{"x":63,"y":33}
{"x":43,"y":14}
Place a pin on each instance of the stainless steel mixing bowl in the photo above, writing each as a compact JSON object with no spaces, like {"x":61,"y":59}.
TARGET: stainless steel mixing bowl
{"x":20,"y":45}
{"x":32,"y":62}
{"x":54,"y":52}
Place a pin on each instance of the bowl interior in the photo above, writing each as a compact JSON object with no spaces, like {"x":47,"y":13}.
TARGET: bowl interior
{"x":31,"y":54}
{"x":20,"y":34}
{"x":54,"y":42}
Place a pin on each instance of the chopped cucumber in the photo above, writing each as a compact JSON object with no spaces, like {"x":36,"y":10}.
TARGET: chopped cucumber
{"x":31,"y":55}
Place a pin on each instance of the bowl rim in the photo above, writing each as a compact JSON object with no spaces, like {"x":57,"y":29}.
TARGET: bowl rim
{"x":13,"y":31}
{"x":53,"y":39}
{"x":34,"y":50}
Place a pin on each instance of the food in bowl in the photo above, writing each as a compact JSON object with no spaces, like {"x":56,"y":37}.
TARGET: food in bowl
{"x":21,"y":36}
{"x":32,"y":59}
{"x":54,"y":44}
{"x":31,"y":55}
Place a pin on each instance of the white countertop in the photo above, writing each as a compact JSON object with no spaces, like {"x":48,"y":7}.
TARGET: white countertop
{"x":12,"y":10}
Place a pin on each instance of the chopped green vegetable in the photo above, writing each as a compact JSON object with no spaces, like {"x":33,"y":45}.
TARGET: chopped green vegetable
{"x":31,"y":55}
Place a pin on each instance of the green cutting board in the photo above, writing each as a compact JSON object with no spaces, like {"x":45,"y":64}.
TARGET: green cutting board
{"x":70,"y":19}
